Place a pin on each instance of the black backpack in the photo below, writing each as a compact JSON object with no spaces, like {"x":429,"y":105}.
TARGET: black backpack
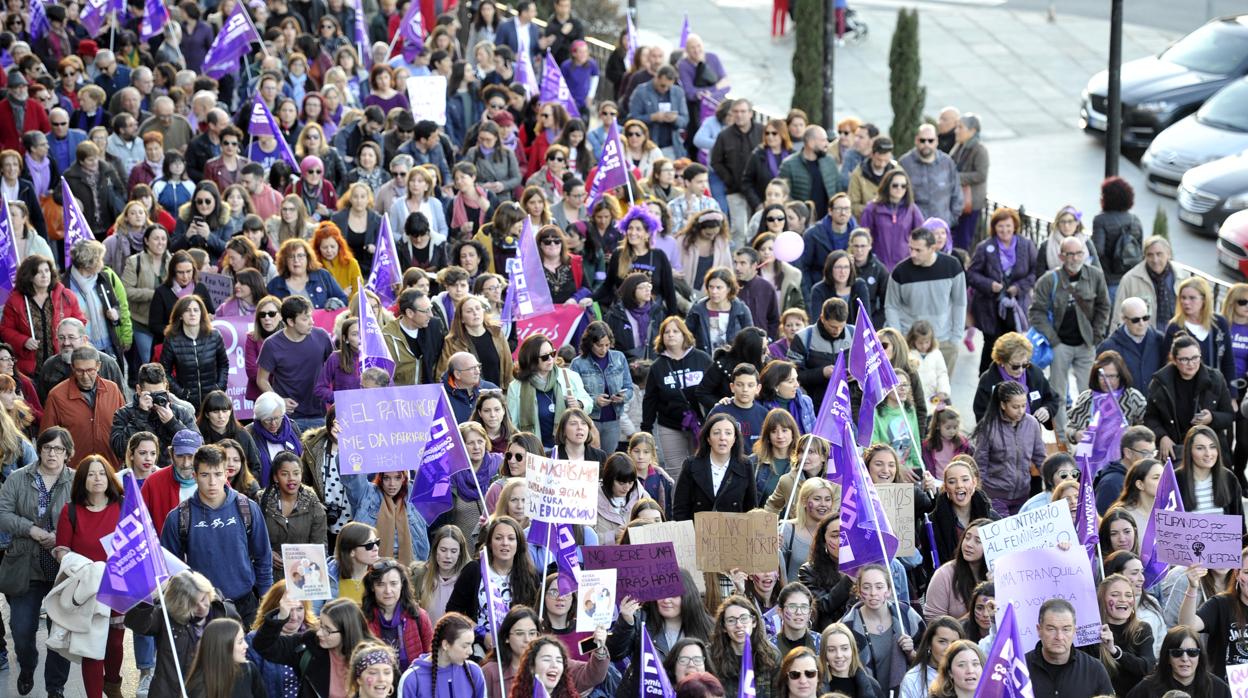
{"x":184,"y":518}
{"x":1128,"y":251}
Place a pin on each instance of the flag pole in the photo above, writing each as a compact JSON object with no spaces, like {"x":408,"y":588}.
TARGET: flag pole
{"x":796,"y":475}
{"x":541,"y":599}
{"x":879,"y":536}
{"x":905,"y":418}
{"x":164,"y":610}
{"x":489,"y":599}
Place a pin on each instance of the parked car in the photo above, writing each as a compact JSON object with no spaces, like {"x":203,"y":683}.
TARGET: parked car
{"x":1209,"y":193}
{"x":1233,"y":242}
{"x":1218,"y":129}
{"x":1158,"y":91}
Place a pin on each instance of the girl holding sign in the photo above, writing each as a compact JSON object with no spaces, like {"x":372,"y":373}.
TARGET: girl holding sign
{"x":1126,"y":647}
{"x":1220,"y":618}
{"x":1205,"y":483}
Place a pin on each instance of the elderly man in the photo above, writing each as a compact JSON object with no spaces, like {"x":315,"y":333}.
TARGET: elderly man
{"x":174,"y":127}
{"x":125,"y":144}
{"x":62,"y":140}
{"x":414,"y":339}
{"x":141,"y":79}
{"x":85,"y":405}
{"x":19,"y":113}
{"x":930,"y":285}
{"x":1140,"y":344}
{"x":660,"y":104}
{"x":1153,"y":281}
{"x":109,"y":74}
{"x":71,"y":333}
{"x":811,"y":173}
{"x":129,"y":100}
{"x":463,"y":384}
{"x":729,"y":156}
{"x":1070,"y":307}
{"x":946,"y":128}
{"x":164,"y":489}
{"x":933,"y":177}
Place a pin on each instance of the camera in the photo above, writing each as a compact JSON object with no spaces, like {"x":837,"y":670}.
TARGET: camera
{"x":161,"y":398}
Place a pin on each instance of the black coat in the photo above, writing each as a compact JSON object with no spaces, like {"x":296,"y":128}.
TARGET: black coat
{"x":275,"y":647}
{"x":1080,"y":676}
{"x":670,"y":389}
{"x":1212,"y":394}
{"x":621,"y":328}
{"x":695,"y":490}
{"x":831,"y":602}
{"x":195,"y":367}
{"x":148,"y":620}
{"x":1154,"y":687}
{"x":1039,"y":391}
{"x":26,"y":195}
{"x":111,"y":192}
{"x":1136,"y":661}
{"x":248,"y":684}
{"x":945,"y":523}
{"x":465,"y":597}
{"x":162,"y":307}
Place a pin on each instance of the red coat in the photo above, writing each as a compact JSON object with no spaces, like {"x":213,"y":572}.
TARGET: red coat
{"x":36,"y":120}
{"x":91,"y":426}
{"x":162,"y":494}
{"x":417,"y":636}
{"x":326,"y":196}
{"x":15,"y":327}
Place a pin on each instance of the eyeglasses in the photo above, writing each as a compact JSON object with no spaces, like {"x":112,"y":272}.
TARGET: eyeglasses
{"x":230,"y":144}
{"x":775,"y":219}
{"x":695,"y":661}
{"x":1176,"y":652}
{"x":546,"y":357}
{"x":1019,"y":367}
{"x":515,"y":457}
{"x":927,"y":140}
{"x":1075,"y":255}
{"x":370,"y":545}
{"x":70,"y":73}
{"x":743,"y":619}
{"x":1137,"y":320}
{"x":841,"y":209}
{"x":1144,"y":452}
{"x":268,"y":314}
{"x":1187,"y":359}
{"x":49,"y":448}
{"x":794,"y":674}
{"x":634,"y":134}
{"x":324,"y":630}
{"x":797,"y":608}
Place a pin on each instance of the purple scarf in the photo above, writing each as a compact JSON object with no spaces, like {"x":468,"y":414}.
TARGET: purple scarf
{"x":462,"y":480}
{"x":286,"y":438}
{"x":773,"y":161}
{"x":40,"y":174}
{"x":1008,"y":255}
{"x":639,"y":322}
{"x":1021,"y":380}
{"x":396,"y":624}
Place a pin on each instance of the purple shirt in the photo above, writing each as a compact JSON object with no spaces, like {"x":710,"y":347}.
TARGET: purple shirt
{"x":578,"y":78}
{"x":334,"y":378}
{"x":688,"y":71}
{"x":295,"y":367}
{"x":1239,"y":348}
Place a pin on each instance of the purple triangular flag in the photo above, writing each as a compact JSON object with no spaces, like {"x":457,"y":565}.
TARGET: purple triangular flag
{"x":262,"y":123}
{"x":231,"y":44}
{"x":865,"y":533}
{"x":137,"y":564}
{"x":8,"y":253}
{"x":630,"y":49}
{"x":155,"y":17}
{"x":443,"y":456}
{"x":611,"y":172}
{"x":1086,"y":515}
{"x":654,"y":682}
{"x":524,"y":75}
{"x":373,"y":352}
{"x":92,"y":16}
{"x":684,"y":32}
{"x":1167,"y":499}
{"x":555,"y":87}
{"x":39,"y":24}
{"x":361,"y":36}
{"x":745,"y":684}
{"x":1110,"y":423}
{"x":528,"y":278}
{"x":385,"y":272}
{"x":1005,"y":673}
{"x":412,"y":30}
{"x":869,"y":365}
{"x":566,"y":553}
{"x":834,"y":411}
{"x":76,"y":228}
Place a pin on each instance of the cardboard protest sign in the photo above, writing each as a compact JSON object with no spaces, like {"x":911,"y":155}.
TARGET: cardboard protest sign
{"x":597,"y":600}
{"x":684,"y":541}
{"x":427,"y":95}
{"x":898,"y":501}
{"x":385,"y":429}
{"x":307,"y":576}
{"x":234,"y":335}
{"x":1031,"y":577}
{"x":1237,"y":677}
{"x":220,"y":287}
{"x":747,"y":542}
{"x":644,"y":572}
{"x":562,"y":491}
{"x":1044,"y":527}
{"x":1209,"y":540}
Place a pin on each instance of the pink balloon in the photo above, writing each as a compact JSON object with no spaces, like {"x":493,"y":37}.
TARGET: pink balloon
{"x":788,"y":246}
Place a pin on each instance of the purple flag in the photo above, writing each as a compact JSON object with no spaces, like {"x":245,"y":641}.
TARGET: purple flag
{"x":555,"y":88}
{"x":1005,"y":673}
{"x":630,"y":52}
{"x":684,"y":32}
{"x":539,"y":691}
{"x":92,"y":16}
{"x":361,"y":37}
{"x":528,"y":279}
{"x":611,"y":172}
{"x":385,"y":272}
{"x":710,"y":101}
{"x":373,"y":352}
{"x":443,"y":456}
{"x":870,"y":367}
{"x":833,"y":412}
{"x":76,"y":228}
{"x":1085,"y":516}
{"x":412,"y":30}
{"x":137,"y":564}
{"x":865,"y":534}
{"x":231,"y":43}
{"x":8,"y":253}
{"x":155,"y":17}
{"x":567,"y":558}
{"x":654,"y":682}
{"x":496,"y":608}
{"x":745,"y":685}
{"x":1108,"y":431}
{"x":262,"y":123}
{"x":1167,"y":499}
{"x":39,"y":24}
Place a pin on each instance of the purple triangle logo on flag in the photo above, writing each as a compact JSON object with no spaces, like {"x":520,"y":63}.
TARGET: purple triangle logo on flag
{"x":93,"y":15}
{"x":443,"y":455}
{"x":630,"y":52}
{"x":869,"y":365}
{"x":1167,"y":499}
{"x":654,"y":681}
{"x":528,"y":280}
{"x":1086,"y":515}
{"x":263,"y":124}
{"x":833,"y":412}
{"x":76,"y":228}
{"x":865,"y":534}
{"x":39,"y":24}
{"x":611,"y":172}
{"x":155,"y":17}
{"x":361,"y":37}
{"x":684,"y":32}
{"x":412,"y":30}
{"x":8,"y":253}
{"x":137,"y":564}
{"x":525,"y":76}
{"x":1005,"y":673}
{"x":231,"y":44}
{"x":385,"y":272}
{"x":555,"y":87}
{"x":496,"y":608}
{"x":1110,"y":423}
{"x":373,"y":353}
{"x":746,"y":687}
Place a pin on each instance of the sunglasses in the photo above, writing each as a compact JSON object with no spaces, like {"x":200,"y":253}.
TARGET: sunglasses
{"x":1142,"y":318}
{"x":1019,"y":367}
{"x":546,"y":357}
{"x":775,"y":219}
{"x":634,"y":134}
{"x":843,"y":133}
{"x":266,"y":314}
{"x":808,"y":673}
{"x":927,"y":140}
{"x":1176,"y":652}
{"x":770,"y":133}
{"x":60,"y":123}
{"x":204,"y":202}
{"x":232,"y":144}
{"x":897,"y":185}
{"x":609,"y":113}
{"x":552,"y":241}
{"x":1241,"y":301}
{"x":370,"y":545}
{"x":515,"y":457}
{"x":1067,"y":475}
{"x":558,"y":158}
{"x":314,"y":171}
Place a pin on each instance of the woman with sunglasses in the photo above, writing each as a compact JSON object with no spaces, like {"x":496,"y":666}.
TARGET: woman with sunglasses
{"x":1183,"y":665}
{"x":1109,"y":380}
{"x":565,"y":272}
{"x":1011,"y":358}
{"x":355,"y":551}
{"x":267,"y":322}
{"x":639,"y":151}
{"x":549,"y":178}
{"x":764,"y":161}
{"x":542,"y":390}
{"x":799,"y":672}
{"x":551,"y":119}
{"x":891,"y":216}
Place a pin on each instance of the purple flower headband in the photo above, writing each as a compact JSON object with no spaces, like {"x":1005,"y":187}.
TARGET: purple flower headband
{"x":642,"y":212}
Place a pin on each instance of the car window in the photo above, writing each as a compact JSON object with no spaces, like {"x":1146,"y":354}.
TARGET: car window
{"x":1228,"y":108}
{"x":1218,"y":48}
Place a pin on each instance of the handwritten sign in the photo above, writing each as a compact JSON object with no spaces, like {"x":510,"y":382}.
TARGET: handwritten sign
{"x":1209,"y":540}
{"x":562,"y":491}
{"x":385,"y":429}
{"x":234,"y":334}
{"x":747,"y":542}
{"x":684,"y":541}
{"x":898,"y":501}
{"x":643,"y":572}
{"x":1044,"y":527}
{"x":307,"y":576}
{"x":1031,"y":577}
{"x":220,"y":287}
{"x":1237,"y":677}
{"x":427,"y":95}
{"x":596,"y":600}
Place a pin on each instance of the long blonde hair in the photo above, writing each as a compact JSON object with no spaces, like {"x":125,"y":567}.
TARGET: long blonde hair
{"x":1206,"y":306}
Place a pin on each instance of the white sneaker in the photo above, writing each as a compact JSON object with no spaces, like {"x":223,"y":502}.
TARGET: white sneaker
{"x":145,"y":682}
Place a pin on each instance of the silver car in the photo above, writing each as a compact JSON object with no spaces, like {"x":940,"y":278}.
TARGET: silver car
{"x":1219,"y":128}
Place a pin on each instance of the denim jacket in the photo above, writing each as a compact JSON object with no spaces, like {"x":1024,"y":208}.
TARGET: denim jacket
{"x":615,"y":379}
{"x":366,"y":504}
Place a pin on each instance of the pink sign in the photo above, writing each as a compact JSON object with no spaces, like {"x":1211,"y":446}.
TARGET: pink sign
{"x":234,"y":333}
{"x":558,"y":325}
{"x":325,"y":319}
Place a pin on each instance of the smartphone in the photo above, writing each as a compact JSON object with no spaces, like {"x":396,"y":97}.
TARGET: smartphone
{"x":587,"y":645}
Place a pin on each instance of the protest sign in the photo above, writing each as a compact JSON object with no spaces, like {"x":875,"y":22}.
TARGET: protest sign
{"x":427,"y":95}
{"x":220,"y":287}
{"x":234,"y":335}
{"x":325,"y":319}
{"x":1031,"y":577}
{"x":898,"y":501}
{"x":746,"y":542}
{"x":562,"y":491}
{"x":1044,"y":527}
{"x":559,"y":326}
{"x":385,"y":429}
{"x":644,"y":572}
{"x":597,"y":599}
{"x":684,"y":541}
{"x":1209,"y":540}
{"x":1237,"y":677}
{"x":307,"y":576}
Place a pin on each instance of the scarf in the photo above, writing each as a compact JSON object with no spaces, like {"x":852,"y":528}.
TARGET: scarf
{"x":487,"y":152}
{"x":555,"y":183}
{"x":462,"y":479}
{"x":1008,"y":255}
{"x":459,"y":213}
{"x":1163,"y":286}
{"x":286,"y":438}
{"x":773,"y":161}
{"x":18,"y":109}
{"x":638,"y":318}
{"x":93,"y":183}
{"x":1021,"y":380}
{"x":183,"y":292}
{"x":40,"y":174}
{"x":392,"y":519}
{"x":395,"y":624}
{"x":528,"y":400}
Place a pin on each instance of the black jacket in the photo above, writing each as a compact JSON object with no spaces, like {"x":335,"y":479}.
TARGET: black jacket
{"x":1136,"y":661}
{"x":1080,"y":676}
{"x":1212,"y":394}
{"x":876,"y":275}
{"x":670,"y":389}
{"x":1039,"y":391}
{"x":716,"y":381}
{"x":111,"y":193}
{"x":195,"y":367}
{"x":148,"y":620}
{"x":199,"y":151}
{"x":251,"y":454}
{"x":162,"y":307}
{"x":465,"y":597}
{"x":275,"y":647}
{"x":865,"y":685}
{"x":130,"y":420}
{"x":695,"y":490}
{"x":622,"y":329}
{"x":945,"y":523}
{"x":1155,"y":687}
{"x":757,"y":175}
{"x":248,"y":684}
{"x":831,"y":601}
{"x":731,"y":154}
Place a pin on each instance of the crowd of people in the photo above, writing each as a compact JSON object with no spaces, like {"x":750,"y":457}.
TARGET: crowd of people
{"x":693,"y":379}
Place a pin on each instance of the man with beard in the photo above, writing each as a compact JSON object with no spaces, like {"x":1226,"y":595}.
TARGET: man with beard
{"x":812,"y":175}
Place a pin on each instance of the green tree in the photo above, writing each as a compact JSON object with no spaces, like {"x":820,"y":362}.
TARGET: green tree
{"x":808,"y":58}
{"x":907,"y":95}
{"x":1161,"y":222}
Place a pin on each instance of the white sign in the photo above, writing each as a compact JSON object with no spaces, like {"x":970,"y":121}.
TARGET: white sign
{"x":596,"y":600}
{"x":1237,"y":677}
{"x":307,"y":575}
{"x":562,"y":491}
{"x":1032,"y":577}
{"x":427,"y":95}
{"x":1044,"y":527}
